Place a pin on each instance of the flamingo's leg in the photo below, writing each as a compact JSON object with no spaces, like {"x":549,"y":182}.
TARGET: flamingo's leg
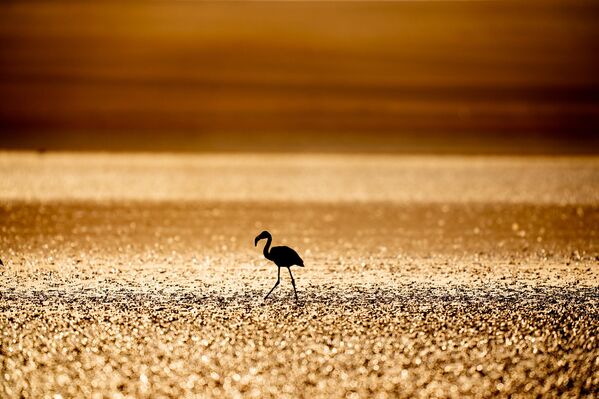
{"x":277,"y":283}
{"x":293,"y":283}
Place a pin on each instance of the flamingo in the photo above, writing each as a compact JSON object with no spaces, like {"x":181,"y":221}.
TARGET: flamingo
{"x":282,"y":257}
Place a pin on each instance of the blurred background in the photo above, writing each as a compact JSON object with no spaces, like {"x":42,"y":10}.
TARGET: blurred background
{"x":401,"y":77}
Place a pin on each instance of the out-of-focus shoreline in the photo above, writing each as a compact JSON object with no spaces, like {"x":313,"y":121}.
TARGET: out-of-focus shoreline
{"x":377,"y":143}
{"x":418,"y":76}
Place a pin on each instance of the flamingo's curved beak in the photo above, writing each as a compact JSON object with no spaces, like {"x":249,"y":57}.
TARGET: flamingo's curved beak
{"x":256,"y":241}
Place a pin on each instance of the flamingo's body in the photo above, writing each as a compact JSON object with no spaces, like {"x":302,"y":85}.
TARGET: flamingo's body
{"x":282,"y":257}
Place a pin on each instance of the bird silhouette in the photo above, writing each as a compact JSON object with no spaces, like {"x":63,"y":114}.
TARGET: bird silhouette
{"x":282,"y":257}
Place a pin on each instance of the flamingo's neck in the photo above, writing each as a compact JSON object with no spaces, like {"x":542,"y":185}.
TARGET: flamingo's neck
{"x":267,"y":248}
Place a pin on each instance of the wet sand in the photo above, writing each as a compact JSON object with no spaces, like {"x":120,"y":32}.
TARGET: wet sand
{"x":136,"y":276}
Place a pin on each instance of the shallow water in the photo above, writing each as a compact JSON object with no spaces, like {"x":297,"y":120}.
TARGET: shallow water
{"x":427,"y":293}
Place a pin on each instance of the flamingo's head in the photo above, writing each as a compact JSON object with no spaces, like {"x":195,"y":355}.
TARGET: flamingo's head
{"x":262,"y":236}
